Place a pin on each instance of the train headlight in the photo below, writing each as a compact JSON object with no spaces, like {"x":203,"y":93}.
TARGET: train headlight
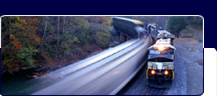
{"x":153,"y":72}
{"x":166,"y":72}
{"x":161,"y":47}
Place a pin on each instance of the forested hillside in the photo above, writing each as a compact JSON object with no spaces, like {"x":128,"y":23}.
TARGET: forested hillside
{"x":185,"y":26}
{"x":51,"y":42}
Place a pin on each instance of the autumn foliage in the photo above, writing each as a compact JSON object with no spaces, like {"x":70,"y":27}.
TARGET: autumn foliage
{"x":50,"y":42}
{"x":18,"y":34}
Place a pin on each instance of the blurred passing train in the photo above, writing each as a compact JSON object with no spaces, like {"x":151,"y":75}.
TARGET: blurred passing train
{"x":130,"y":27}
{"x":160,"y":64}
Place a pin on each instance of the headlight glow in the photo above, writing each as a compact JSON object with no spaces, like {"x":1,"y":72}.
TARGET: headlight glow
{"x":166,"y":72}
{"x":153,"y":72}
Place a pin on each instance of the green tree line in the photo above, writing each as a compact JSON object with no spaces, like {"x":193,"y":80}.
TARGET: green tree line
{"x":177,"y":23}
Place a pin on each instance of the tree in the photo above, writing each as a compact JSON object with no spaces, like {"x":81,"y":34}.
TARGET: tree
{"x":46,"y":42}
{"x":64,"y":24}
{"x":58,"y":37}
{"x":45,"y":29}
{"x":175,"y":24}
{"x":195,"y":22}
{"x":20,"y":42}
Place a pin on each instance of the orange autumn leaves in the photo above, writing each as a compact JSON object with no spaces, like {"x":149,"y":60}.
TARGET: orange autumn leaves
{"x":24,"y":27}
{"x":15,"y":42}
{"x":20,"y":42}
{"x":46,"y":42}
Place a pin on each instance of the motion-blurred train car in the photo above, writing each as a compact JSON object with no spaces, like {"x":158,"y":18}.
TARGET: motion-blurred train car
{"x":132,"y":28}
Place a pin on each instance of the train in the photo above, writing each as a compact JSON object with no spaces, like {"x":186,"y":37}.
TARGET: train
{"x":160,"y":62}
{"x":152,"y":30}
{"x":130,"y":27}
{"x":161,"y":55}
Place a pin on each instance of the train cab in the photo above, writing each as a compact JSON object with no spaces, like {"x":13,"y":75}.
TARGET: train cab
{"x":160,"y":64}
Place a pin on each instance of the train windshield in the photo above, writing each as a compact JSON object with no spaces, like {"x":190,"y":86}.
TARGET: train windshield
{"x":156,"y":55}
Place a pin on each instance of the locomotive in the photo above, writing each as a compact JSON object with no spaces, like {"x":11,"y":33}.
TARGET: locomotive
{"x":160,"y":64}
{"x":152,"y":29}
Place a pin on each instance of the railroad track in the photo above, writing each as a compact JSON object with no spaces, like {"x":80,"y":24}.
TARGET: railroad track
{"x":139,"y":86}
{"x":155,"y":91}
